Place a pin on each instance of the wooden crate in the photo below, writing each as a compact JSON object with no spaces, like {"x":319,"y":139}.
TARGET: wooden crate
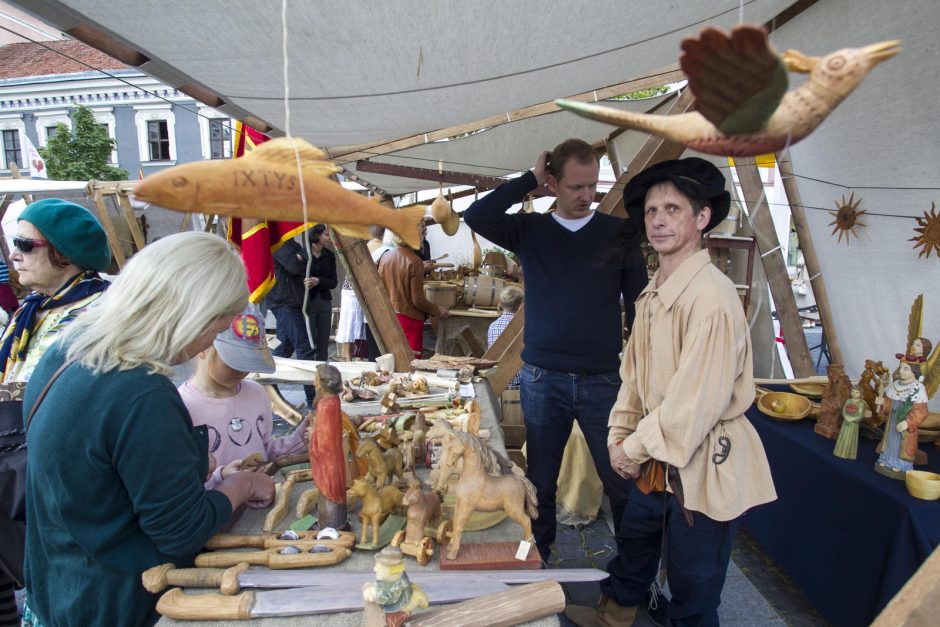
{"x":511,"y":408}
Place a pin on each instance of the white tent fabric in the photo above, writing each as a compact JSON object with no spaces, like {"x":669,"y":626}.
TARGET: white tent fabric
{"x":366,"y":72}
{"x":883,"y":144}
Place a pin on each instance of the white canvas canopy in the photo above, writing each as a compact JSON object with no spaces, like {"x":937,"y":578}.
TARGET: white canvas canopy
{"x":363,"y":74}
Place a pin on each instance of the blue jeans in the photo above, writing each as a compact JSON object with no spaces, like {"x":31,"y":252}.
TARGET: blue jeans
{"x":291,"y":332}
{"x":551,"y":402}
{"x":696,"y":557}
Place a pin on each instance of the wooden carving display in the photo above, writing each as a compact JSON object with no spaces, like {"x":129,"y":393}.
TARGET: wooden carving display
{"x":872,"y":383}
{"x":327,"y":461}
{"x":383,"y":467}
{"x":376,"y":505}
{"x":928,"y":233}
{"x":833,"y":399}
{"x":846,"y":218}
{"x":487,"y":483}
{"x":920,"y":349}
{"x":392,"y":597}
{"x":264,"y":184}
{"x":739,"y":82}
{"x":424,"y":508}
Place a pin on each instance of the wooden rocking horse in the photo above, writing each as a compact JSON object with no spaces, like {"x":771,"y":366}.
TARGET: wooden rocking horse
{"x":478,"y":489}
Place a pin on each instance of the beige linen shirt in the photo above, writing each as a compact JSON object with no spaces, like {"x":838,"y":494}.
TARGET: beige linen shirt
{"x":688,"y":379}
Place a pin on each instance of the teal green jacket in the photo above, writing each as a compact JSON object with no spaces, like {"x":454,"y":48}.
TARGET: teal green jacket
{"x":114,"y":486}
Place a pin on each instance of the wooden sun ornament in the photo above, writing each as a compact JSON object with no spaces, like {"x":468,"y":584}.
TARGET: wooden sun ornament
{"x":846,"y":218}
{"x":928,"y":233}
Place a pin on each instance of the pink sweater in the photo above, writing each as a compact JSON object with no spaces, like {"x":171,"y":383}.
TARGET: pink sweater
{"x":238,"y":425}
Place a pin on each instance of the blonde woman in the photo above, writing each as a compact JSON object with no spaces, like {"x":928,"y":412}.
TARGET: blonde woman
{"x":115,"y":479}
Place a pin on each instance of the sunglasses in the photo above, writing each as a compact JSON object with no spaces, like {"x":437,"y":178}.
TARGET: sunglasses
{"x":26,"y":245}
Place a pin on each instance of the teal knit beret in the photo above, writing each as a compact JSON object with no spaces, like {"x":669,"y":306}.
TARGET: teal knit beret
{"x":73,"y":230}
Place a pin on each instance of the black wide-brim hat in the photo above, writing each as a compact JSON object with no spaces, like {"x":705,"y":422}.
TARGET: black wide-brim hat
{"x":701,"y":173}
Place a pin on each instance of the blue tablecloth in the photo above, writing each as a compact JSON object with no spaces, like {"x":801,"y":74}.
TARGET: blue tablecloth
{"x":848,"y":536}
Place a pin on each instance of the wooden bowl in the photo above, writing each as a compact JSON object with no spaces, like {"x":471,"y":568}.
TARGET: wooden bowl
{"x":784,"y":406}
{"x":812,"y":390}
{"x":922,"y":484}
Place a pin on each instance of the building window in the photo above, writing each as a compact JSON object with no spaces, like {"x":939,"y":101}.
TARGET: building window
{"x":158,"y":138}
{"x":220,"y":139}
{"x":11,"y":148}
{"x":51,"y":131}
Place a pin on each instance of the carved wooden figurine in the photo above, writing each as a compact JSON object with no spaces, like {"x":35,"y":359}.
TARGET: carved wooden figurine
{"x":852,"y":413}
{"x":391,"y":598}
{"x":870,"y":384}
{"x":424,"y":508}
{"x":833,"y":398}
{"x":383,"y":467}
{"x":487,"y":483}
{"x":904,"y":408}
{"x":376,"y":505}
{"x":326,"y":450}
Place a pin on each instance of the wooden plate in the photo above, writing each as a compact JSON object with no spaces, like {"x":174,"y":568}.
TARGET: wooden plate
{"x":784,"y":406}
{"x":812,"y":390}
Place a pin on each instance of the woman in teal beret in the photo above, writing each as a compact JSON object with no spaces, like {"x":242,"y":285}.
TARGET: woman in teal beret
{"x":58,"y":250}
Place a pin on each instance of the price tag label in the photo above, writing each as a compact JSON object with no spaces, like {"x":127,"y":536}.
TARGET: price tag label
{"x":522,"y":553}
{"x":466,"y":390}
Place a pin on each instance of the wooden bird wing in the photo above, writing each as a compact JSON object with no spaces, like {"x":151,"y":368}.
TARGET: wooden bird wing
{"x":915,"y":322}
{"x":737,"y":80}
{"x":931,"y":372}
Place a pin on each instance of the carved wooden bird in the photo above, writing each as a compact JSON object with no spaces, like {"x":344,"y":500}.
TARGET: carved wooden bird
{"x":739,"y":84}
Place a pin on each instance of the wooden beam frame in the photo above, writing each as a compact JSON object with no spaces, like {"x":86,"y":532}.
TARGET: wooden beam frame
{"x":774,"y":266}
{"x":94,"y":192}
{"x":373,"y":299}
{"x":817,"y":281}
{"x":654,"y":150}
{"x":478,"y":181}
{"x":661,"y":76}
{"x":507,"y":351}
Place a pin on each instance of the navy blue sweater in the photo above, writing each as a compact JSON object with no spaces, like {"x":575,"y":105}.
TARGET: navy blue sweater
{"x":572,"y":297}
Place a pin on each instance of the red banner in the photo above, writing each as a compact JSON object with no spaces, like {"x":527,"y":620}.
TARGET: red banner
{"x":257,"y":239}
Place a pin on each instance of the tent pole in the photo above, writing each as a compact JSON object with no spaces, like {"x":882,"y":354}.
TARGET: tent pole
{"x":817,"y":280}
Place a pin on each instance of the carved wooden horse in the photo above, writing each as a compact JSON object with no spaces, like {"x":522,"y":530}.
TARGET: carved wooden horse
{"x":477,"y":489}
{"x":376,"y":504}
{"x":383,"y":467}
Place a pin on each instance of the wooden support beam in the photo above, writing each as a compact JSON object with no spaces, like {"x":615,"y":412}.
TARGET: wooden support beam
{"x":478,"y":181}
{"x":774,"y":266}
{"x":132,"y":222}
{"x":917,"y":604}
{"x":654,"y":150}
{"x":818,"y":282}
{"x":15,"y":171}
{"x":507,"y":351}
{"x":473,"y":344}
{"x":105,"y":219}
{"x":373,"y":299}
{"x":654,"y":78}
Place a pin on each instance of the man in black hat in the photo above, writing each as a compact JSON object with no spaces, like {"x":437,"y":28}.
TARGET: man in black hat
{"x":687,"y":381}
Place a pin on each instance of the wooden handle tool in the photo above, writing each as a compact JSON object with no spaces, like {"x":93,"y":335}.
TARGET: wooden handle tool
{"x":273,"y":558}
{"x":177,"y":604}
{"x":156,"y":579}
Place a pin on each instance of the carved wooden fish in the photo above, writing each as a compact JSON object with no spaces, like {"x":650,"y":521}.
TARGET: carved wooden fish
{"x":265,"y":184}
{"x":736,"y":81}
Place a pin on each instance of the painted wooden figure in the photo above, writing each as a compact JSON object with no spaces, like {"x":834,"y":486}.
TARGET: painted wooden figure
{"x":327,"y":461}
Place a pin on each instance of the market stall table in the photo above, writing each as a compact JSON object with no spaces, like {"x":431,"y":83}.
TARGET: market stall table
{"x":251,"y":521}
{"x":848,"y":536}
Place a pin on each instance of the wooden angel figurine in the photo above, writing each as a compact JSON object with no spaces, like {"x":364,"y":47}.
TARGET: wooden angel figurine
{"x":904,"y":408}
{"x":327,"y":460}
{"x":920,"y":351}
{"x":833,"y":398}
{"x":391,"y":596}
{"x":852,"y":413}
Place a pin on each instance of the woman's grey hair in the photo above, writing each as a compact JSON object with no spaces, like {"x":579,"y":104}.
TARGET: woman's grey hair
{"x":166,"y":296}
{"x":510,"y":299}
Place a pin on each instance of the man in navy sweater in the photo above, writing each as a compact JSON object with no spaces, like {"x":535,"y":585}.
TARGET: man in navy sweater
{"x":573,"y":334}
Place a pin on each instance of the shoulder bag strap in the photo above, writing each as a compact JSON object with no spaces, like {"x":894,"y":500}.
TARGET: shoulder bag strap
{"x":42,"y":394}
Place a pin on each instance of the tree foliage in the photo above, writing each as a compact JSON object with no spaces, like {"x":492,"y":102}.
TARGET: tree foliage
{"x":82,"y":155}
